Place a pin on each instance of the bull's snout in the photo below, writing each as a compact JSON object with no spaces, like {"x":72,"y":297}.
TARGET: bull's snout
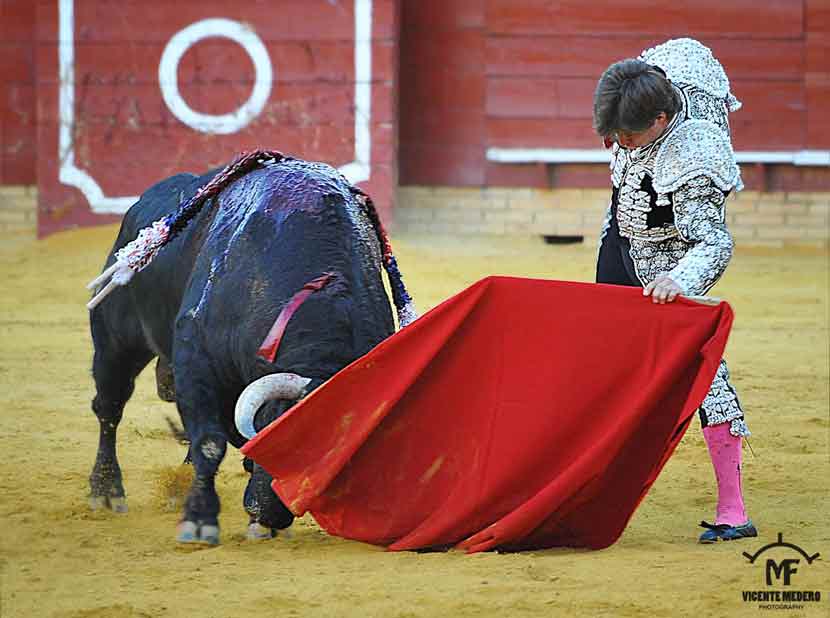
{"x":267,"y":388}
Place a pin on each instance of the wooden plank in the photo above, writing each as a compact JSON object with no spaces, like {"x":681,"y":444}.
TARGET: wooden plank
{"x":144,"y":157}
{"x":442,"y":94}
{"x":18,"y":146}
{"x":789,"y":178}
{"x":817,"y":65}
{"x":559,"y":56}
{"x":442,"y":164}
{"x":582,"y":56}
{"x":444,"y":126}
{"x":818,"y":121}
{"x":581,"y":176}
{"x":762,"y":60}
{"x":17,"y":63}
{"x":386,"y":15}
{"x":18,"y":154}
{"x":773,"y":19}
{"x":464,"y":49}
{"x":385,"y":54}
{"x":817,"y":16}
{"x":522,"y":97}
{"x":17,"y":21}
{"x":137,"y":62}
{"x":427,"y":90}
{"x":158,"y":151}
{"x":441,"y":15}
{"x":384,"y":145}
{"x":140,"y":105}
{"x":20,"y":106}
{"x":158,"y":20}
{"x":541,"y":133}
{"x":772,"y":117}
{"x":291,"y":105}
{"x":517,"y":175}
{"x":540,"y":98}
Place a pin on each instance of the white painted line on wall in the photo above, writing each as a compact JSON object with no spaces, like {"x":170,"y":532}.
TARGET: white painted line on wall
{"x":183,"y":40}
{"x":361,"y":168}
{"x":356,"y":171}
{"x":69,"y":173}
{"x":591,"y":155}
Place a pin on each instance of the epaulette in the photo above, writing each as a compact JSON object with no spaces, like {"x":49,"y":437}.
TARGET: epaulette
{"x":696,"y":148}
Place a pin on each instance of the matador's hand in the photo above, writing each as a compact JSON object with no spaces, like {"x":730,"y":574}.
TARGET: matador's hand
{"x":663,"y":289}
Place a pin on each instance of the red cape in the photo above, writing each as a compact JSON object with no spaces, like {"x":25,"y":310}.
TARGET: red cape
{"x":518,"y":414}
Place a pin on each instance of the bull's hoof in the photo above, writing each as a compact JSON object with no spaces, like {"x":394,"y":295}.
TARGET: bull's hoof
{"x":209,"y":535}
{"x":118,"y":505}
{"x":190,"y":532}
{"x":115,"y":504}
{"x":258,"y":532}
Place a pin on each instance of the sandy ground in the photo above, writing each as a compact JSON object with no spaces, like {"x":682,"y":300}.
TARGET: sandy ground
{"x":59,"y":559}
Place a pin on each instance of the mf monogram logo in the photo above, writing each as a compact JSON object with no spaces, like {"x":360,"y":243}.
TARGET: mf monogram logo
{"x":781,"y":570}
{"x":785,"y":568}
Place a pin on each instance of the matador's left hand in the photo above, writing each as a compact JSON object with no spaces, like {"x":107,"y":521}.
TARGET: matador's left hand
{"x":663,"y":289}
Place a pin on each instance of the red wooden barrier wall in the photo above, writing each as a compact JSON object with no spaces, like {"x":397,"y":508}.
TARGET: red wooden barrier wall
{"x":125,"y":135}
{"x":17,"y":98}
{"x":521,"y":74}
{"x":475,"y":74}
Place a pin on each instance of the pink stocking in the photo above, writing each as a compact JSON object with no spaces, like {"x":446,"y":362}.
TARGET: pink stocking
{"x":725,"y":452}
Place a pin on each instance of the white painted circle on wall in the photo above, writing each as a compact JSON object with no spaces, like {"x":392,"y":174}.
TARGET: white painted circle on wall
{"x":169,"y":83}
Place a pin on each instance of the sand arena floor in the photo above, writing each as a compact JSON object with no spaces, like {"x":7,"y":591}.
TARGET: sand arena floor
{"x":59,"y":559}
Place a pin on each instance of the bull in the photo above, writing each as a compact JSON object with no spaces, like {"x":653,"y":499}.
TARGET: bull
{"x":277,"y":229}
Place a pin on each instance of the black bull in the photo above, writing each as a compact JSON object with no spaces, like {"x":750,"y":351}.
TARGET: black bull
{"x":204,"y":305}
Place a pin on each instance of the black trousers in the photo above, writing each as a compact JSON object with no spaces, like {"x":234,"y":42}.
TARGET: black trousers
{"x":614,"y":263}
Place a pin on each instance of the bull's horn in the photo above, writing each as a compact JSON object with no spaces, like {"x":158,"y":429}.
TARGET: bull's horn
{"x":267,"y":388}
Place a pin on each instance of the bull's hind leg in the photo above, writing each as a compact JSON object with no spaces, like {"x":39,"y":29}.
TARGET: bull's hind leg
{"x":165,"y":386}
{"x":114,"y":373}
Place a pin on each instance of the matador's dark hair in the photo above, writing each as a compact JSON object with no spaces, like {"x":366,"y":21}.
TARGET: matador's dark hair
{"x":630,"y":95}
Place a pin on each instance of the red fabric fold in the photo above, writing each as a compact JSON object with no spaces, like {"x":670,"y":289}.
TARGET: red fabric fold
{"x":518,"y":414}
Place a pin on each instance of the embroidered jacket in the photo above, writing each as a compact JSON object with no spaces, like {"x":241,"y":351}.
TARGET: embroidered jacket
{"x":669,"y":196}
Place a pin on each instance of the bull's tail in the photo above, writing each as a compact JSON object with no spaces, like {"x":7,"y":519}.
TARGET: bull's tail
{"x":403,"y":301}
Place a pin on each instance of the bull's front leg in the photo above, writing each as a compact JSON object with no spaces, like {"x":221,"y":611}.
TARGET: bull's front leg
{"x":267,"y":514}
{"x":200,"y":523}
{"x":200,"y":404}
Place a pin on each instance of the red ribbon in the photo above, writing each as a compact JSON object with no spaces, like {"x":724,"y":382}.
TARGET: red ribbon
{"x":268,"y":347}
